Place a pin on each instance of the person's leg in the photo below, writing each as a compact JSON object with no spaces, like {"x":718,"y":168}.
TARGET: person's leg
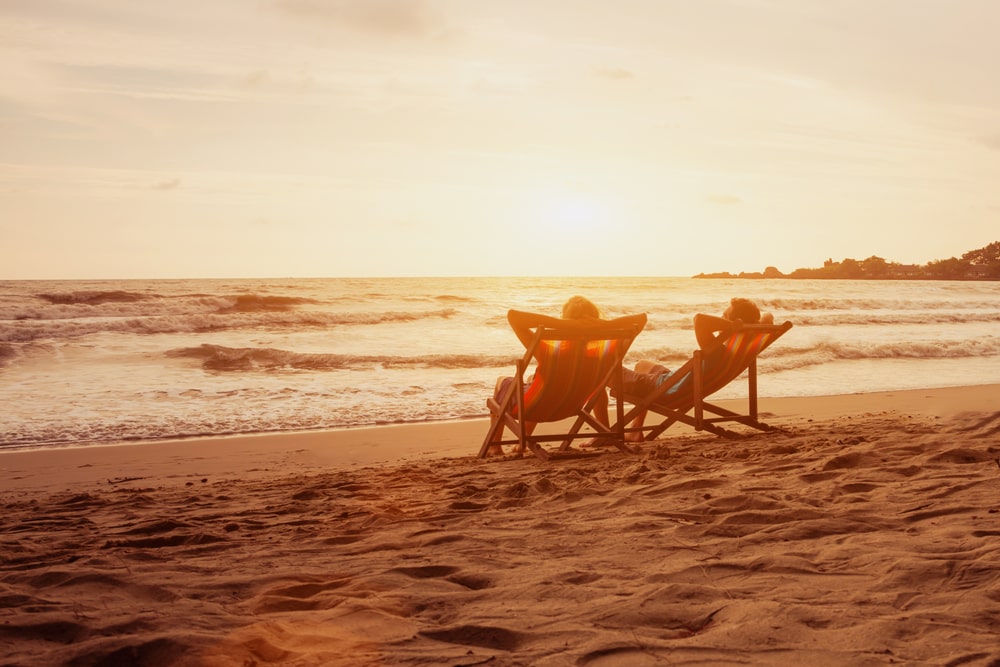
{"x":636,"y":423}
{"x":644,"y":379}
{"x":647,"y":367}
{"x":600,"y":408}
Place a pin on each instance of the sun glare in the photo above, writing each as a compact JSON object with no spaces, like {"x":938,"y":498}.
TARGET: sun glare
{"x":573,"y":212}
{"x":571,"y":222}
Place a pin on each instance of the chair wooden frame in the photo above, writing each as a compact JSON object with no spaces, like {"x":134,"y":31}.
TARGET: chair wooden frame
{"x":708,"y":370}
{"x":574,"y":361}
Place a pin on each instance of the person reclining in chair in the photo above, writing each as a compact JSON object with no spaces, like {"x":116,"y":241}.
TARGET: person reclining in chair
{"x":649,"y":375}
{"x":575,"y":308}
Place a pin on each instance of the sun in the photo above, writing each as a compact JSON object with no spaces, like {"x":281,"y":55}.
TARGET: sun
{"x":572,"y":212}
{"x":569,"y":228}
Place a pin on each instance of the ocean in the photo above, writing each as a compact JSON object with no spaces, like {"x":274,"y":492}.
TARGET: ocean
{"x":88,"y":362}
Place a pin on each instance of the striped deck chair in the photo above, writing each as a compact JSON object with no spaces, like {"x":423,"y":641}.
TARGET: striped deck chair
{"x":574,"y":361}
{"x":708,"y":371}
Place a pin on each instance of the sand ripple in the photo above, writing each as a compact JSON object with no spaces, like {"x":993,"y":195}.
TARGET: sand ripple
{"x":873,"y":540}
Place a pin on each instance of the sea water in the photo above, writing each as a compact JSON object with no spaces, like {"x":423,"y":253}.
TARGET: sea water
{"x":85,"y":362}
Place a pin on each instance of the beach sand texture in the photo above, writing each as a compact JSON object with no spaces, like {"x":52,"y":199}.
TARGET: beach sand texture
{"x":867,"y":532}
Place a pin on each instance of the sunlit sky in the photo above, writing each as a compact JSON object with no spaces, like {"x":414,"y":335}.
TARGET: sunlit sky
{"x":246,"y":138}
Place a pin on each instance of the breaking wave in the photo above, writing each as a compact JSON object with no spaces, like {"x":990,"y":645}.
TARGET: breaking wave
{"x":222,"y":358}
{"x":786,"y":356}
{"x":23,"y":331}
{"x":779,"y":357}
{"x":255,"y":303}
{"x":93,"y":297}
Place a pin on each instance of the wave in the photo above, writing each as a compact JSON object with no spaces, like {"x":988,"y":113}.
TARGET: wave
{"x":253,"y":303}
{"x":222,"y":358}
{"x":787,"y":357}
{"x":455,"y":298}
{"x":93,"y":297}
{"x":842,"y":305}
{"x":874,"y":319}
{"x":23,"y":331}
{"x":117,"y":303}
{"x":944,"y":349}
{"x":887,"y":319}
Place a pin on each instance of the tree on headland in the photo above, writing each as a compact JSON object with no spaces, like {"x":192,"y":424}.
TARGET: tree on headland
{"x":985,"y":260}
{"x":875,"y":267}
{"x":981,"y":264}
{"x":947,"y":269}
{"x":989,"y":255}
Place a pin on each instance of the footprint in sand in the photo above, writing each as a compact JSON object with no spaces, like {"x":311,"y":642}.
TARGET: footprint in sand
{"x":483,"y":636}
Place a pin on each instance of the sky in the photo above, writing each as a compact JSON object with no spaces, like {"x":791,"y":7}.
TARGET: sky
{"x":329,"y":138}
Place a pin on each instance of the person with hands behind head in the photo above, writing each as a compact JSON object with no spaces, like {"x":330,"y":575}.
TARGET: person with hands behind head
{"x":575,"y":308}
{"x":649,"y":375}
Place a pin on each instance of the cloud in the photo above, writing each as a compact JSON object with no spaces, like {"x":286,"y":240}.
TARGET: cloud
{"x":615,"y":73}
{"x":139,"y":81}
{"x":395,"y":18}
{"x":724,"y":200}
{"x":256,"y":79}
{"x":171,"y":184}
{"x":993,"y":142}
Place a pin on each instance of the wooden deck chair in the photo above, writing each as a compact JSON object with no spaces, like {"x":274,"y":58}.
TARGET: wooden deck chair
{"x":574,"y":361}
{"x":682,"y":397}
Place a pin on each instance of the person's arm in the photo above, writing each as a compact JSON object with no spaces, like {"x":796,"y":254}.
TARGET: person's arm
{"x":706,"y":327}
{"x":524,"y":324}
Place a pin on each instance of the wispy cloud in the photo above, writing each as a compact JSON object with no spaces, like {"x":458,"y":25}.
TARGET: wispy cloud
{"x":396,"y":18}
{"x":724,"y":200}
{"x":615,"y":73}
{"x":139,"y":81}
{"x":171,"y":184}
{"x":992,"y":142}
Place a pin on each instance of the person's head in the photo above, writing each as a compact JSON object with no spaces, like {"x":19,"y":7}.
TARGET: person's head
{"x":743,"y":310}
{"x":579,"y":308}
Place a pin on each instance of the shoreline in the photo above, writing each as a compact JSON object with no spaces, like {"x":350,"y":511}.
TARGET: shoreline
{"x":252,"y":456}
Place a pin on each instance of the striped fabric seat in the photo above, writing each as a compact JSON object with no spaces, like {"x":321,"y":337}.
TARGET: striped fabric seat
{"x":569,"y":374}
{"x":573,"y":361}
{"x":705,"y":373}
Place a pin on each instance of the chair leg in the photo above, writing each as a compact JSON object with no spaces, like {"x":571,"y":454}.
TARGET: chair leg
{"x":494,"y":433}
{"x":498,"y":407}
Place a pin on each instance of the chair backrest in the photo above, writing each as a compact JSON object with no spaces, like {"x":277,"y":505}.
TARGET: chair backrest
{"x":724,"y":361}
{"x":736,"y":352}
{"x":574,"y":360}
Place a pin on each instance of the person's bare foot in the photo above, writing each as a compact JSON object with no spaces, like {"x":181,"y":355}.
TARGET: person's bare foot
{"x":598,"y":442}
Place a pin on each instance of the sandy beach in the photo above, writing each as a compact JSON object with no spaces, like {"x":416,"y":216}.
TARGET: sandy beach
{"x":865,"y":532}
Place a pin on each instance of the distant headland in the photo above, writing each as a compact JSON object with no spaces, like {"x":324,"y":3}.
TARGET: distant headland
{"x":981,"y":264}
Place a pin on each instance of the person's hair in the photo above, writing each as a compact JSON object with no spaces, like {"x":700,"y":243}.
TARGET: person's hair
{"x":744,"y":310}
{"x":579,"y":308}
